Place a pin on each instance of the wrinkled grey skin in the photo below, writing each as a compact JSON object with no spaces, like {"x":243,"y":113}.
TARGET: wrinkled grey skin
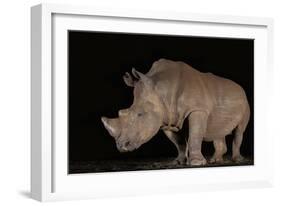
{"x":171,"y":92}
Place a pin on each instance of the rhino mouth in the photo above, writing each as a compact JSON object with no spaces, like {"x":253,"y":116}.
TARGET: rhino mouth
{"x":126,"y":146}
{"x":125,"y":149}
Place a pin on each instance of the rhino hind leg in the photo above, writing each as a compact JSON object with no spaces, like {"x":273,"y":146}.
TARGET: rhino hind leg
{"x":238,"y":138}
{"x":236,"y":144}
{"x":180,"y":145}
{"x":220,"y":150}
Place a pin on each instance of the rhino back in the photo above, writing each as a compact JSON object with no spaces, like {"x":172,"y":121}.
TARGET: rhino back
{"x":183,"y":89}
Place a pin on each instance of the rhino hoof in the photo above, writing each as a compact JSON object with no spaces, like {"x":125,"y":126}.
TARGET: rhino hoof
{"x":198,"y":162}
{"x":238,"y":158}
{"x":180,"y":160}
{"x":216,"y":160}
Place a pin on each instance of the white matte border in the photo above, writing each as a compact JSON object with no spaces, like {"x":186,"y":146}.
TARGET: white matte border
{"x":56,"y":184}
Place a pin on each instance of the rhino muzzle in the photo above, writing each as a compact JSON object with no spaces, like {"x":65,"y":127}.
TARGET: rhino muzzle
{"x":126,"y":146}
{"x":123,"y":144}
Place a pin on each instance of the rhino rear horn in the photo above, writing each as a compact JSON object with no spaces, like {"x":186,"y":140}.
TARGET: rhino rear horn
{"x":112,"y":126}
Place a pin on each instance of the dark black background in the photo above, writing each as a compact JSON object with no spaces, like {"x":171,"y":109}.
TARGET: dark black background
{"x":97,"y":62}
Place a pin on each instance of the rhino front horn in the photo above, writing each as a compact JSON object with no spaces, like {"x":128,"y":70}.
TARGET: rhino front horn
{"x":112,"y":126}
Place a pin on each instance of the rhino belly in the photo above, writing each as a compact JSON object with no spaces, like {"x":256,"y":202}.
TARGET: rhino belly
{"x":222,"y":121}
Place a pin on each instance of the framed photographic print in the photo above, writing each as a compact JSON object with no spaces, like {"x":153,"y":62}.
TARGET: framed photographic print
{"x":137,"y":102}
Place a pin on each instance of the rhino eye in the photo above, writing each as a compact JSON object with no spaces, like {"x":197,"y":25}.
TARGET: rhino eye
{"x":139,"y":114}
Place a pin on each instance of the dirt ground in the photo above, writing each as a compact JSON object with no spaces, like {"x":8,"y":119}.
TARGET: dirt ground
{"x":142,"y":164}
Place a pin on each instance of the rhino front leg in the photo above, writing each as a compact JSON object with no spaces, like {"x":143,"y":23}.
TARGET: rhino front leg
{"x":197,"y":129}
{"x":180,"y":144}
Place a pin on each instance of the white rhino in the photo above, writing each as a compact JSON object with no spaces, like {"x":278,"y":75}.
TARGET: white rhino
{"x":171,"y":92}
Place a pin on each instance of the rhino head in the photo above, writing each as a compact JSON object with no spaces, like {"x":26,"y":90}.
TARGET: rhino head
{"x":136,"y":125}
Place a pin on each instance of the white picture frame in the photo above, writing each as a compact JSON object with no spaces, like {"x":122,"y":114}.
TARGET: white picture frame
{"x":49,"y":178}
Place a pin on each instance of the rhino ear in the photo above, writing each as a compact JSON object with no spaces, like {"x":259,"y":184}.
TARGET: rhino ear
{"x":145,"y":79}
{"x":128,"y":79}
{"x":137,"y":74}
